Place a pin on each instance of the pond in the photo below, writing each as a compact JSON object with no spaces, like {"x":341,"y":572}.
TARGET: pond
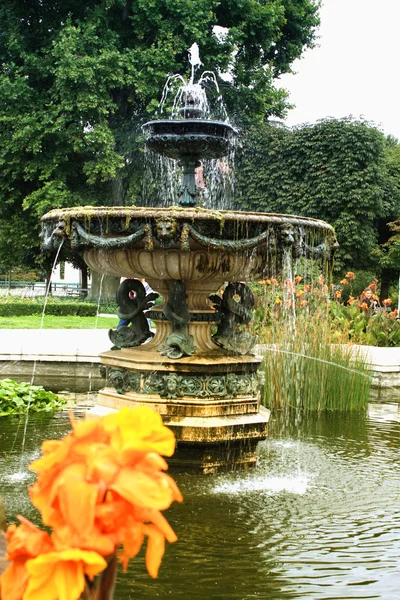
{"x":318,"y":518}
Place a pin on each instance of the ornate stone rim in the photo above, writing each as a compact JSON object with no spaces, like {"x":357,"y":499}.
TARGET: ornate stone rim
{"x":179,"y":213}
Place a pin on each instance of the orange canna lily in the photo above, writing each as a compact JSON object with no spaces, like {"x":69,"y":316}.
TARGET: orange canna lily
{"x":70,"y":499}
{"x":139,"y":430}
{"x":61,"y":575}
{"x":96,"y":540}
{"x":14,"y":580}
{"x":24,"y":542}
{"x":100,"y":486}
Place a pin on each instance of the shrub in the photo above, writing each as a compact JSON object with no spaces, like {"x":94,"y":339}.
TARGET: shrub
{"x":19,"y":308}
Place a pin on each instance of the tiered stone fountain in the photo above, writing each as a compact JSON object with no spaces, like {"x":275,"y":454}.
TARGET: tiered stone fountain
{"x":198,"y":370}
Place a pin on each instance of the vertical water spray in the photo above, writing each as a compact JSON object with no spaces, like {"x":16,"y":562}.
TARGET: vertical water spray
{"x":32,"y":380}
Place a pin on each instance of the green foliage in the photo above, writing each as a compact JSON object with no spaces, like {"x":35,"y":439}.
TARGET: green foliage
{"x":364,"y":326}
{"x":336,"y":170}
{"x":15,"y":398}
{"x":13,"y":308}
{"x":303,"y":370}
{"x":79,"y":78}
{"x":389,"y":253}
{"x":349,"y":323}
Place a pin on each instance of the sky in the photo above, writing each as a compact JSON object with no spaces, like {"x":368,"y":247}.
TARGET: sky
{"x":355,"y":70}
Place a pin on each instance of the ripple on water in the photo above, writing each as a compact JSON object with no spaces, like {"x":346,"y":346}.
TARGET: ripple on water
{"x":319,"y":518}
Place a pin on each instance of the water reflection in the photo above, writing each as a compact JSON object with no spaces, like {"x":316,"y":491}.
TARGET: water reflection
{"x":319,"y":517}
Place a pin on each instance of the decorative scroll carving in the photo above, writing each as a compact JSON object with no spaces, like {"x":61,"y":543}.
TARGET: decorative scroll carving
{"x":234,"y":311}
{"x":132,"y":301}
{"x":80,"y":237}
{"x":178,"y":343}
{"x":173,"y":385}
{"x":279,"y":233}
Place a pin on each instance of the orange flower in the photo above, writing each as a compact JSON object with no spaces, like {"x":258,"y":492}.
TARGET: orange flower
{"x":61,"y":574}
{"x":303,"y":302}
{"x":138,"y":431}
{"x":338,"y":294}
{"x":99,"y":485}
{"x":374,"y":285}
{"x":299,"y":293}
{"x":393,"y":313}
{"x":350,"y":275}
{"x":278,"y":301}
{"x":274,"y":281}
{"x":387,"y":302}
{"x":351,"y":300}
{"x":344,"y":282}
{"x":24,"y":542}
{"x":306,"y":287}
{"x":298,"y":279}
{"x":364,"y":306}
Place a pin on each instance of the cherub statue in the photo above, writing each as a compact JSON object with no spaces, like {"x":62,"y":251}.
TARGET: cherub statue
{"x":178,"y":343}
{"x":235,"y":310}
{"x":132,"y":301}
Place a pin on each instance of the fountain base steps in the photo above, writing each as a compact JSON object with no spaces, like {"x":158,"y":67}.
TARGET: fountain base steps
{"x":211,"y":403}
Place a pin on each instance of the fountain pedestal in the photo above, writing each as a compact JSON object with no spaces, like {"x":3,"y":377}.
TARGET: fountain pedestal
{"x":210,"y":402}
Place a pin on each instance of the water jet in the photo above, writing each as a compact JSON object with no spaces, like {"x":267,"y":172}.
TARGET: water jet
{"x":198,"y":370}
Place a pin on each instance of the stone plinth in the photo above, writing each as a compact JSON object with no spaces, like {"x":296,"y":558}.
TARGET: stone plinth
{"x":211,"y":402}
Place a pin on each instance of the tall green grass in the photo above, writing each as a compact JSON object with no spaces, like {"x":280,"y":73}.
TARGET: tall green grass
{"x":305,"y":372}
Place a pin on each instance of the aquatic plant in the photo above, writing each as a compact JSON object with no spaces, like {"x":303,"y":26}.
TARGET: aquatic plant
{"x":303,"y":369}
{"x":15,"y":398}
{"x":101,"y":490}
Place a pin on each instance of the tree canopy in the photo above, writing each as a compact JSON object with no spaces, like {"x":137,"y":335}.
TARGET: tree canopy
{"x":336,"y":170}
{"x":77,"y":79}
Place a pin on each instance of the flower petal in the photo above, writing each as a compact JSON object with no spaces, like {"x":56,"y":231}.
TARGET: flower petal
{"x":61,"y":575}
{"x":155,"y":549}
{"x":14,"y":580}
{"x":143,"y":489}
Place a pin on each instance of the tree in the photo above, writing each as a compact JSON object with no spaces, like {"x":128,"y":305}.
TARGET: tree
{"x":335,"y":170}
{"x":78,"y":78}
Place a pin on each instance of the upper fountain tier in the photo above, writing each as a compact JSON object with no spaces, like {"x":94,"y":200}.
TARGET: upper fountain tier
{"x":191,"y":134}
{"x":190,"y":140}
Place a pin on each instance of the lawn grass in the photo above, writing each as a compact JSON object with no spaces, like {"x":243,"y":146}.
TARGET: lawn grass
{"x":53,"y":322}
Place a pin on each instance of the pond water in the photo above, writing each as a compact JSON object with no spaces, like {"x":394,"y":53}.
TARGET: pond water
{"x":319,"y":517}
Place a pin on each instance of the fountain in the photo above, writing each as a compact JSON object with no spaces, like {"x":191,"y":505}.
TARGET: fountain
{"x":198,"y":370}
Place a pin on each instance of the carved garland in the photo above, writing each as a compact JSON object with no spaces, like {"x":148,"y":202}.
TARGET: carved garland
{"x":168,"y":230}
{"x":172,"y":385}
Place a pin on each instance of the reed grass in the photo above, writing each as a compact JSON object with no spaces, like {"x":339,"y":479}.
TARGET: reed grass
{"x":305,"y":372}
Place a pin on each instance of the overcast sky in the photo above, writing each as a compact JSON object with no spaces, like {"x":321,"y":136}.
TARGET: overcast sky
{"x":355,"y":70}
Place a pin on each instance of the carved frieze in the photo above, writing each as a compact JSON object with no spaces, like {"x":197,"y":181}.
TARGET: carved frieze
{"x":173,"y":385}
